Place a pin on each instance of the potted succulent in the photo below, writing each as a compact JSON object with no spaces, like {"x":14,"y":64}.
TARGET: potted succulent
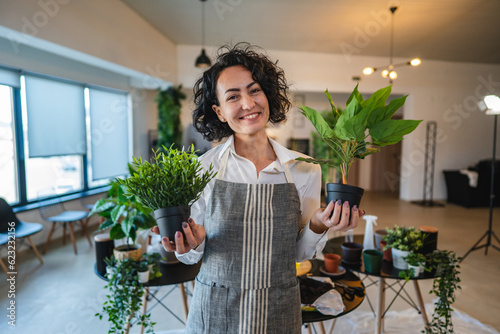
{"x":402,"y":241}
{"x":348,"y":133}
{"x":125,"y":298}
{"x":168,"y":185}
{"x":124,"y":216}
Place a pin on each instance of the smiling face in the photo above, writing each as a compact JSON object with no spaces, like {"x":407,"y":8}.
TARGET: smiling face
{"x":242,"y":102}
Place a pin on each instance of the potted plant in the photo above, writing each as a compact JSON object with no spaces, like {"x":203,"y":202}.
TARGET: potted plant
{"x":125,"y":298}
{"x":416,"y":263}
{"x":348,"y":136}
{"x":168,"y":185}
{"x":124,"y":216}
{"x":444,"y":288}
{"x":403,"y":240}
{"x":169,"y":120}
{"x":143,"y":271}
{"x":153,"y":261}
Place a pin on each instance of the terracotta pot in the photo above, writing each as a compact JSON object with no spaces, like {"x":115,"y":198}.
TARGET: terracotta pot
{"x":332,"y":262}
{"x":387,"y":253}
{"x":344,"y":192}
{"x":170,"y":220}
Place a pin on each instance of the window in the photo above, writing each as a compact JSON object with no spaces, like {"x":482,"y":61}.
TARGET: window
{"x":8,"y":165}
{"x":59,"y":137}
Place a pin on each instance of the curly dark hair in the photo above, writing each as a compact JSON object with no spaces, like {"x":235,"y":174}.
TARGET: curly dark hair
{"x":267,"y":74}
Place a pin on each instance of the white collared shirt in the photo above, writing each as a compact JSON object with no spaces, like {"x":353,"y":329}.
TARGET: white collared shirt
{"x":306,"y":176}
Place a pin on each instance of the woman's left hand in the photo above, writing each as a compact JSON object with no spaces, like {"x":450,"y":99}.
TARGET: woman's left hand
{"x":336,"y":216}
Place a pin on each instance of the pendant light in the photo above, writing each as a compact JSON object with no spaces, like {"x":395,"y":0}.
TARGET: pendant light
{"x":388,"y":71}
{"x":203,"y":61}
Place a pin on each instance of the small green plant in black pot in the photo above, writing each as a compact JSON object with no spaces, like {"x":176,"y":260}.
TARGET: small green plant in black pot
{"x":347,"y":135}
{"x":169,"y":185}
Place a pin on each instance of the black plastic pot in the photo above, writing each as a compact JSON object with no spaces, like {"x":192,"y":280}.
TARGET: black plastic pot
{"x":170,"y":220}
{"x":351,"y":253}
{"x":344,"y":192}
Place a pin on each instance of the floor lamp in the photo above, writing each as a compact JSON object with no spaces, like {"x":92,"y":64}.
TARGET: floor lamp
{"x":491,"y":105}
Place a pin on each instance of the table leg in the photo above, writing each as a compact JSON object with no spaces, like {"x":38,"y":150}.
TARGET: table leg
{"x":380,"y":306}
{"x":309,"y":330}
{"x":421,"y":304}
{"x":35,"y":250}
{"x":144,"y":304}
{"x":332,"y":326}
{"x":321,"y":327}
{"x":184,"y":299}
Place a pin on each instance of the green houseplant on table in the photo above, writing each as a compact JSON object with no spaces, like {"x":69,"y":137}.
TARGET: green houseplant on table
{"x":403,"y":241}
{"x":347,"y":136}
{"x":125,"y":296}
{"x":168,"y":185}
{"x":124,"y":216}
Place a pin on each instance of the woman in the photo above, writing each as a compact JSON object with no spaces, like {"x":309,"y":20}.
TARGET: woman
{"x":259,"y":215}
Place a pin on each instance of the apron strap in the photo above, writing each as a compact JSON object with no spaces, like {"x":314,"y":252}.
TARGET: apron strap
{"x":288,"y":174}
{"x":223,"y":165}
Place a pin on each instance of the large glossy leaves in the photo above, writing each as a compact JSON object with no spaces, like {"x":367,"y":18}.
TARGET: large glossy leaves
{"x":391,"y":131}
{"x":382,"y":113}
{"x":318,"y":121}
{"x":379,"y":97}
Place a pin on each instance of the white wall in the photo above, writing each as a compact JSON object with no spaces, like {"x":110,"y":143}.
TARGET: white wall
{"x":444,"y":92}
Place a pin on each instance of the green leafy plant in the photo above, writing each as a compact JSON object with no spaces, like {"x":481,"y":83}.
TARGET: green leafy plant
{"x":404,"y":238}
{"x":153,"y":260}
{"x":444,"y":288}
{"x":125,"y":298}
{"x":174,"y":178}
{"x":320,"y":148}
{"x":348,"y":138}
{"x":123,"y":214}
{"x":169,"y":111}
{"x":415,"y":258}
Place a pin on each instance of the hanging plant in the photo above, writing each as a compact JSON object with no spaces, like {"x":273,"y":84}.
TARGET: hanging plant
{"x":169,"y":121}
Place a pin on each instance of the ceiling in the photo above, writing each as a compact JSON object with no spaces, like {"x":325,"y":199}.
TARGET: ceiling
{"x":448,"y":30}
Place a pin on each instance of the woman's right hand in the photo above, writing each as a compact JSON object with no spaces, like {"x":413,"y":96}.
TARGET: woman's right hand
{"x":195,"y":234}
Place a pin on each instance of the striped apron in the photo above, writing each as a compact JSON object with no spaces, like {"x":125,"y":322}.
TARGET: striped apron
{"x":247,"y":281}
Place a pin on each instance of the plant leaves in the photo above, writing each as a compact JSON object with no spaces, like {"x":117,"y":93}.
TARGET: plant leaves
{"x":355,"y":94}
{"x":335,"y":112}
{"x":379,"y":97}
{"x":116,"y":232}
{"x":391,"y":131}
{"x":318,"y":121}
{"x":347,"y":128}
{"x":382,"y":113}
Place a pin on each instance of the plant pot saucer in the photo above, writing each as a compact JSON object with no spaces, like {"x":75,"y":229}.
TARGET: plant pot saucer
{"x":340,"y":272}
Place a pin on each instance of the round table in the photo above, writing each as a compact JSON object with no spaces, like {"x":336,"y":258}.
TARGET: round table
{"x":348,"y":279}
{"x":387,"y":272}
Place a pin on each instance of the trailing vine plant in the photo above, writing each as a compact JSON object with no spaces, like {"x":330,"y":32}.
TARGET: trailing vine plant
{"x":444,"y":287}
{"x":124,"y":298}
